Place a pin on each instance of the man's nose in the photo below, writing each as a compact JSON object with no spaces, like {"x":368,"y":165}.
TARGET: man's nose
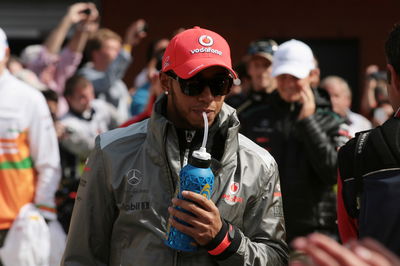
{"x":206,"y":95}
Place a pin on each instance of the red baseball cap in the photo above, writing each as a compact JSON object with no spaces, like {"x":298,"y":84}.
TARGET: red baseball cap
{"x":195,"y":49}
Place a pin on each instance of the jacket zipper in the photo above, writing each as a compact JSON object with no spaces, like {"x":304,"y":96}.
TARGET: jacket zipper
{"x":189,"y":137}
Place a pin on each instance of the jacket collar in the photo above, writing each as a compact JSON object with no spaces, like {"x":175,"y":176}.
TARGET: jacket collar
{"x":162,"y":133}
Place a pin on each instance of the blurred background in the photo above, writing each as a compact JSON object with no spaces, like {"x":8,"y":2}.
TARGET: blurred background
{"x":345,"y":35}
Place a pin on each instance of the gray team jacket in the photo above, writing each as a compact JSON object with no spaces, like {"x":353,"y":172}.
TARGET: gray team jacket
{"x":120,"y":215}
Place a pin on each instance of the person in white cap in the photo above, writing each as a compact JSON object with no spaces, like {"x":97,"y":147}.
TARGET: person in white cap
{"x":123,"y":210}
{"x":300,"y":130}
{"x":29,"y":155}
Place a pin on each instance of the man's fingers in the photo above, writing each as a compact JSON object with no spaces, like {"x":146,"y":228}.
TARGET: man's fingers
{"x":303,"y":97}
{"x":379,"y":248}
{"x":334,"y":250}
{"x":373,"y":254}
{"x":370,"y":257}
{"x":186,"y":217}
{"x":199,"y":199}
{"x":190,"y":231}
{"x":193,"y":208}
{"x":316,"y":254}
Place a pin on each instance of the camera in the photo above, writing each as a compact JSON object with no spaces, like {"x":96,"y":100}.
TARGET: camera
{"x":144,"y":28}
{"x":87,"y":11}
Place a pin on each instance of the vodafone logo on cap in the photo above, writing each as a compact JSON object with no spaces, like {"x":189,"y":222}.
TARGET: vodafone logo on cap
{"x":206,"y":40}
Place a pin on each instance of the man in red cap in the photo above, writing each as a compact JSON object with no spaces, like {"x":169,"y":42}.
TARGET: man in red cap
{"x":124,"y":203}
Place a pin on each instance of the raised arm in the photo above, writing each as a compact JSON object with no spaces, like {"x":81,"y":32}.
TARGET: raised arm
{"x":74,"y":15}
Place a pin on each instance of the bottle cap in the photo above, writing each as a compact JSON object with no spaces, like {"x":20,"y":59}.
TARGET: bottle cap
{"x":200,"y":158}
{"x":201,"y":154}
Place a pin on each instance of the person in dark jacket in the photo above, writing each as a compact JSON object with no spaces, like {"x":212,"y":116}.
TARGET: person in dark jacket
{"x":371,"y":209}
{"x":260,"y":55}
{"x":298,"y":127}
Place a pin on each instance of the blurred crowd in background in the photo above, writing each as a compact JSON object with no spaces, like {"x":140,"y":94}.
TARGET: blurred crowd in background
{"x":81,"y":79}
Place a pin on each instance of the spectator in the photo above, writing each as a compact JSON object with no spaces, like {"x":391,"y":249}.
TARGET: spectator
{"x":340,"y":94}
{"x":302,"y":133}
{"x":65,"y":195}
{"x":52,"y":102}
{"x":119,"y":221}
{"x":86,"y":118}
{"x":155,"y":91}
{"x":29,"y":157}
{"x":143,"y":81}
{"x":259,"y":69}
{"x":150,"y":73}
{"x":382,"y":113}
{"x":108,"y":63}
{"x":374,"y":93}
{"x":54,"y":67}
{"x":16,"y":68}
{"x":369,"y":169}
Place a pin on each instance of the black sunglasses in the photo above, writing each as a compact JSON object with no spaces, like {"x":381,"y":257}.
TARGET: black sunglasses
{"x":219,"y":84}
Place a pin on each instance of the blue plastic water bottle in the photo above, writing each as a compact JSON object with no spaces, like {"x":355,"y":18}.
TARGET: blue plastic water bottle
{"x":196,"y":176}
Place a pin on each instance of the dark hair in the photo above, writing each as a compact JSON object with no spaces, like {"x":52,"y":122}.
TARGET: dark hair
{"x":392,"y":48}
{"x":74,"y":82}
{"x":151,"y":49}
{"x":50,"y":95}
{"x":155,"y":52}
{"x":268,"y":46}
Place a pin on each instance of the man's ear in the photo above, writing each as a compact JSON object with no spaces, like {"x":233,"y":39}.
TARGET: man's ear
{"x":393,"y":77}
{"x":315,"y":73}
{"x":165,"y":82}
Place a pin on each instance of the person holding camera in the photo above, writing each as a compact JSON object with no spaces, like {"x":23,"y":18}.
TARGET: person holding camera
{"x":374,"y":103}
{"x":109,"y":58}
{"x":54,"y":65}
{"x":143,"y":91}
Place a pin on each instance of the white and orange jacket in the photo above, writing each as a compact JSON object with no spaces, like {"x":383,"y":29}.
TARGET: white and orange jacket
{"x":29,"y":155}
